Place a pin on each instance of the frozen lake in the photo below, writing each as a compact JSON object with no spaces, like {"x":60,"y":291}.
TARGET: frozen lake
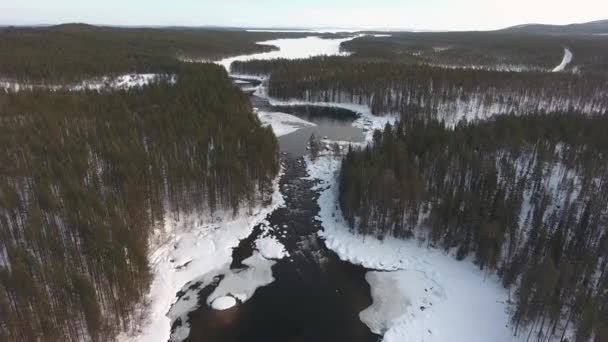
{"x":294,"y":49}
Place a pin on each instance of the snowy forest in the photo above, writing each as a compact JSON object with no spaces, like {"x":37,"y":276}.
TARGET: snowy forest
{"x":85,"y":177}
{"x":493,"y":153}
{"x":522,"y":194}
{"x":525,"y":196}
{"x":414,"y":89}
{"x":503,"y":50}
{"x":73,"y":52}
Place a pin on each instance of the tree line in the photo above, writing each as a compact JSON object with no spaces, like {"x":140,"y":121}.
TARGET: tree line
{"x":75,"y":52}
{"x":490,"y":50}
{"x":423,"y":90}
{"x":522,"y":195}
{"x":86,"y":176}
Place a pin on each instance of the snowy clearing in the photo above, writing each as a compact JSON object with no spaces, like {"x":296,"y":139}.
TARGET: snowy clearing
{"x":460,"y":302}
{"x":567,"y":59}
{"x":282,"y":123}
{"x":195,"y":248}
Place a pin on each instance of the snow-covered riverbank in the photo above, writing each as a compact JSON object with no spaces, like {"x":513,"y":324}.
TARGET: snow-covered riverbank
{"x":196,"y":247}
{"x":419,"y":293}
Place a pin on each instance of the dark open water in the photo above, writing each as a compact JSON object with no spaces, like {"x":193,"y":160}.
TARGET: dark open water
{"x":315,"y":296}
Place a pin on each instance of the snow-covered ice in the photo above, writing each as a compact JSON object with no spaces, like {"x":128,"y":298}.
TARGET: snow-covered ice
{"x":367,"y":121}
{"x":223,"y":303}
{"x":238,"y":284}
{"x":242,"y":283}
{"x":282,"y":123}
{"x":400,"y":298}
{"x":270,"y":248}
{"x":293,"y":48}
{"x":567,"y":59}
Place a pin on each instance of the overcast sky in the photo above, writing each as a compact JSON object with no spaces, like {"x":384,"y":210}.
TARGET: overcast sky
{"x":406,"y":14}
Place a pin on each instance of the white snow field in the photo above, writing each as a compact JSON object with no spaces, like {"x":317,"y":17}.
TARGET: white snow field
{"x":282,"y":123}
{"x":196,"y":247}
{"x":293,"y":48}
{"x":419,"y":293}
{"x":567,"y":59}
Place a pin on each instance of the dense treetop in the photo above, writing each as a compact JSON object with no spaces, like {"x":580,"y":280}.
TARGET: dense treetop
{"x":76,"y":51}
{"x":86,"y":176}
{"x":493,"y":49}
{"x":449,"y":94}
{"x":526,"y":196}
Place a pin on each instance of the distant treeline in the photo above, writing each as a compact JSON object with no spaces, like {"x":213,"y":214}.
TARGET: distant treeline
{"x":493,"y":49}
{"x":86,"y":176}
{"x":525,"y":196}
{"x":73,"y":52}
{"x":416,"y":89}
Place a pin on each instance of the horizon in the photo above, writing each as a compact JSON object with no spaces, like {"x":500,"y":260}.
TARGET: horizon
{"x":288,"y":28}
{"x":383,"y":15}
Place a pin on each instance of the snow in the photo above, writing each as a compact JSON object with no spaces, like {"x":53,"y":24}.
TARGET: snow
{"x":293,"y":48}
{"x":460,"y":302}
{"x":282,"y":123}
{"x":367,"y":121}
{"x":242,"y":284}
{"x":223,"y":303}
{"x":395,"y":295}
{"x":121,"y":82}
{"x":197,"y":247}
{"x":318,"y":30}
{"x":233,"y":284}
{"x":270,"y":248}
{"x":567,"y":59}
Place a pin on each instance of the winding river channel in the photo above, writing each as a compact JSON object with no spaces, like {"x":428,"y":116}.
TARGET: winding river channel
{"x":314,"y":296}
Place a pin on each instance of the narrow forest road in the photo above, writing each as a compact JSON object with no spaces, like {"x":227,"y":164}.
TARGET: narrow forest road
{"x":315,"y":296}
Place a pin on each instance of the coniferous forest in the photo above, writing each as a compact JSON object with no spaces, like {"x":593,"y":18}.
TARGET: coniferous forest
{"x":494,"y":159}
{"x":496,"y":50}
{"x":524,"y":196}
{"x":417,"y":89}
{"x":74,"y":52}
{"x":84,"y":178}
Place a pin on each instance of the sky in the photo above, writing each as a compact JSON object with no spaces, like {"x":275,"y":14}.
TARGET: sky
{"x":379,"y":14}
